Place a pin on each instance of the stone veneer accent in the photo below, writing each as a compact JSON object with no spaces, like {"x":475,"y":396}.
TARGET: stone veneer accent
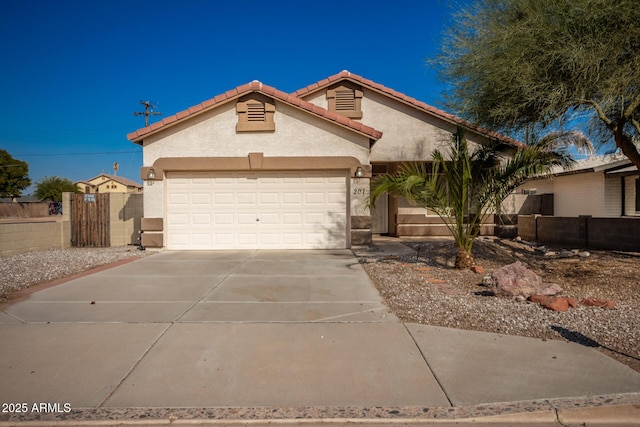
{"x":152,"y":232}
{"x":361,"y":230}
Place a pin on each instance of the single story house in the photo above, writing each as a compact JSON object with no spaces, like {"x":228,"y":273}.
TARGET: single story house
{"x":256,"y":167}
{"x":602,"y":187}
{"x":105,"y":183}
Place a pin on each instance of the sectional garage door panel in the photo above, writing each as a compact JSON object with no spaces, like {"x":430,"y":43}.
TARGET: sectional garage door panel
{"x":262,"y":210}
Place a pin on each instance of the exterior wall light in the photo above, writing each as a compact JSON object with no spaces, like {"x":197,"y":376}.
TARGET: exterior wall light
{"x":359,"y":172}
{"x":151,"y":176}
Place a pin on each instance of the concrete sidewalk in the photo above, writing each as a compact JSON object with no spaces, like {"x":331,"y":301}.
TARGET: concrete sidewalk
{"x":258,"y":331}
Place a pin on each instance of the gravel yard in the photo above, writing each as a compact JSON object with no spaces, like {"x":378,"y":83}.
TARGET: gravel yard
{"x":32,"y":268}
{"x":429,"y":291}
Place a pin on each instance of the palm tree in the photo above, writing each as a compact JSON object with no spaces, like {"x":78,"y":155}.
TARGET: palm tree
{"x":51,"y":188}
{"x":463,"y":186}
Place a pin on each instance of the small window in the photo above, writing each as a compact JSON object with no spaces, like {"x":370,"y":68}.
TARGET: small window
{"x":255,"y":114}
{"x":346,"y":100}
{"x":638,"y":195}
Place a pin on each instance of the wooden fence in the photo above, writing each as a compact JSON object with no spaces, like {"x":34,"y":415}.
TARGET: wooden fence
{"x":90,"y":220}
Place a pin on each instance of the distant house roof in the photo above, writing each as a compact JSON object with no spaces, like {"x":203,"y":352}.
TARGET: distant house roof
{"x":254,"y":86}
{"x":346,"y":75}
{"x":610,"y":164}
{"x":122,"y":180}
{"x":21,"y":199}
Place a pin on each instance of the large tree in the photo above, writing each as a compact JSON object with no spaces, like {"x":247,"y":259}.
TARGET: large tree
{"x":514,"y":64}
{"x":51,"y":188}
{"x":14,"y":175}
{"x":465,"y":183}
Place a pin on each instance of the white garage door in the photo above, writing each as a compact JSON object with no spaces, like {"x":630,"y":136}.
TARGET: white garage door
{"x":266,"y":210}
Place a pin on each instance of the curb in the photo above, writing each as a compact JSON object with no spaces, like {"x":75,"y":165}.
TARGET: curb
{"x":608,"y":410}
{"x":628,"y":415}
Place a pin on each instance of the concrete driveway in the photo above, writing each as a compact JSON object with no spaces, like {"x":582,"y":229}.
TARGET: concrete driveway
{"x":203,"y":329}
{"x":267,"y":329}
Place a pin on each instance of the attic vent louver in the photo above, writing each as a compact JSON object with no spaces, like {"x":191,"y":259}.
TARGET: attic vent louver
{"x":345,"y":100}
{"x":255,"y":112}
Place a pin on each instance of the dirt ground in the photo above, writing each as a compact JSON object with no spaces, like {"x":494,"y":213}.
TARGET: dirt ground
{"x":428,"y":290}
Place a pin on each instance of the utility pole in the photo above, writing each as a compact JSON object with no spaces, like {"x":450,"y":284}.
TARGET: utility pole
{"x":147,"y":112}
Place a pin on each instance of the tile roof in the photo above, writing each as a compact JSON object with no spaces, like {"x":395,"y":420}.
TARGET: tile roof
{"x":346,"y":75}
{"x":122,"y":180}
{"x":255,"y":86}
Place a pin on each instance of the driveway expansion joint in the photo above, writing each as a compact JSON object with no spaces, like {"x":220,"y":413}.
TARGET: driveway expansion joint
{"x":424,"y":358}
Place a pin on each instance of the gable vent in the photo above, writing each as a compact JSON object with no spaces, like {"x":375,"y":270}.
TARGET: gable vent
{"x":255,"y":112}
{"x":345,"y":100}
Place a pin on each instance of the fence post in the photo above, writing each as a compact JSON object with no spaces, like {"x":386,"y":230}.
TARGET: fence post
{"x":535,"y":225}
{"x":583,"y":229}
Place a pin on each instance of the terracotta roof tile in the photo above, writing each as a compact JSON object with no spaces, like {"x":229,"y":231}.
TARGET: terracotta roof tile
{"x":169,"y":119}
{"x":256,"y":86}
{"x":268,"y":90}
{"x":402,"y":97}
{"x":219,"y":98}
{"x":316,"y":109}
{"x":195,"y":108}
{"x":208,"y":103}
{"x":156,"y":125}
{"x":231,"y":93}
{"x":182,"y":114}
{"x":245,"y":87}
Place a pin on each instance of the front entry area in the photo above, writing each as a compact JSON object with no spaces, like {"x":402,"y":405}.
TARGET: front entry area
{"x":256,"y":210}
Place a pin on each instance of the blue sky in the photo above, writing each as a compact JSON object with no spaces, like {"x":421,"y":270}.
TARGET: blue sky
{"x":74,"y":72}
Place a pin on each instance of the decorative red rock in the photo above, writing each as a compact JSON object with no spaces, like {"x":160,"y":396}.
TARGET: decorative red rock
{"x":557,"y":304}
{"x":478,"y":269}
{"x":540,"y":299}
{"x":599,"y":302}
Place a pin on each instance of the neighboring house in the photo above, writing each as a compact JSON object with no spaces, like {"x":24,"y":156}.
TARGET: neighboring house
{"x":256,"y":167}
{"x":105,"y":183}
{"x":603,"y":187}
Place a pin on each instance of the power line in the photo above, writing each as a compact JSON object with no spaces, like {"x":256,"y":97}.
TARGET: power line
{"x":75,"y":154}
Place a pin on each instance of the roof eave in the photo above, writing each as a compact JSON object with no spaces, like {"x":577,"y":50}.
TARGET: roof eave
{"x":406,"y":100}
{"x":138,"y":136}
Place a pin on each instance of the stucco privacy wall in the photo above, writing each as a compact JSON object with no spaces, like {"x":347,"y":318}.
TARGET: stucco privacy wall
{"x":125,"y":218}
{"x":213,"y":134}
{"x":55,"y":232}
{"x":23,"y":237}
{"x":37,"y":234}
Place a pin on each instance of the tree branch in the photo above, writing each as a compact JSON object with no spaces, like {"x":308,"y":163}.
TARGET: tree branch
{"x":601,"y":114}
{"x":631,"y":108}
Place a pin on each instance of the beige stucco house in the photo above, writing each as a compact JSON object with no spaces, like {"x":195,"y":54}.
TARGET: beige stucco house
{"x":105,"y":183}
{"x":256,"y":167}
{"x":602,"y":187}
